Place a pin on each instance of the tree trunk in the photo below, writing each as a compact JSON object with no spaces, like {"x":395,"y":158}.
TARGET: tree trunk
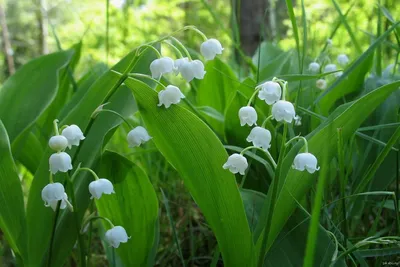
{"x":8,"y":52}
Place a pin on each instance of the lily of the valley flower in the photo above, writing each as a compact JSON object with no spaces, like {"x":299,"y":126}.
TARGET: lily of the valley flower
{"x":305,"y":161}
{"x":161,"y":66}
{"x":236,"y":163}
{"x":116,"y":235}
{"x":60,"y":161}
{"x":138,"y":136}
{"x":330,"y":68}
{"x":260,"y":137}
{"x":73,"y":134}
{"x":191,"y":69}
{"x":247,"y":115}
{"x":58,"y":142}
{"x":314,"y":67}
{"x":321,"y":84}
{"x":342,"y":60}
{"x":99,"y":187}
{"x":210,"y":48}
{"x":170,"y":95}
{"x":270,"y":92}
{"x":52,"y":193}
{"x":283,"y":110}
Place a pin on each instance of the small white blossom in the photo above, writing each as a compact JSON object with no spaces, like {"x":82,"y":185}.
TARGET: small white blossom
{"x":191,"y":69}
{"x":58,"y":142}
{"x":236,"y":163}
{"x":116,"y":235}
{"x":343,"y":60}
{"x":178,"y":63}
{"x":138,"y":136}
{"x":247,"y":115}
{"x":297,"y":120}
{"x":321,"y":84}
{"x":305,"y":161}
{"x":73,"y":134}
{"x":60,"y":161}
{"x":338,"y":74}
{"x":283,"y":110}
{"x":161,"y":66}
{"x":329,"y":43}
{"x":314,"y":67}
{"x":330,"y":68}
{"x":99,"y":187}
{"x":171,"y":95}
{"x":210,"y":48}
{"x":270,"y":92}
{"x":260,"y":137}
{"x":52,"y":193}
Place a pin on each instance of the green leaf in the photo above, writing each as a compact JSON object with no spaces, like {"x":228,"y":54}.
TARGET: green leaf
{"x":133,"y":206}
{"x":348,"y":117}
{"x":12,"y":210}
{"x":26,"y":94}
{"x":197,"y":154}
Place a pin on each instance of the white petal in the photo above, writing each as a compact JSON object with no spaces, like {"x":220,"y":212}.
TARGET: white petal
{"x":73,"y":134}
{"x":58,"y":142}
{"x":60,"y":162}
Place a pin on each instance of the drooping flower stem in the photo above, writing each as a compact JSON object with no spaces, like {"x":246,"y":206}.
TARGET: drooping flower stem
{"x":181,"y":46}
{"x":271,"y":159}
{"x":140,"y":75}
{"x":266,"y":120}
{"x":153,"y":48}
{"x":253,"y":95}
{"x":297,"y":138}
{"x":177,"y":51}
{"x":115,"y":113}
{"x":91,"y":218}
{"x":199,"y":32}
{"x":86,"y":169}
{"x":55,"y":124}
{"x":51,"y":178}
{"x":283,"y":84}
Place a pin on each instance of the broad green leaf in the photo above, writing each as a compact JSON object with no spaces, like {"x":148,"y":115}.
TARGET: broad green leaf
{"x":12,"y":210}
{"x":105,"y":89}
{"x":197,"y":154}
{"x":26,"y":94}
{"x":348,"y":117}
{"x":28,"y":150}
{"x":133,"y":206}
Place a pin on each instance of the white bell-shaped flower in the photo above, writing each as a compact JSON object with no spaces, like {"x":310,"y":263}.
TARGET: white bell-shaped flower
{"x":305,"y":161}
{"x":161,"y":66}
{"x":338,"y":74}
{"x":260,"y":137}
{"x":314,"y":67}
{"x":283,"y":110}
{"x":116,"y":235}
{"x":247,"y":115}
{"x":270,"y":92}
{"x":138,"y":136}
{"x":73,"y":134}
{"x":178,"y":63}
{"x":52,"y":193}
{"x":192,"y":69}
{"x":99,"y":187}
{"x":343,"y":60}
{"x":58,"y":142}
{"x":321,"y":84}
{"x":60,"y":161}
{"x":210,"y":48}
{"x":330,"y":68}
{"x":236,"y":163}
{"x":170,"y":95}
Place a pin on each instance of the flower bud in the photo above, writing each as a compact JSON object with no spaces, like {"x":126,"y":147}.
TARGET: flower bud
{"x":321,"y":84}
{"x":270,"y":92}
{"x":314,"y":67}
{"x":283,"y":110}
{"x":73,"y":134}
{"x":161,"y":66}
{"x":58,"y":143}
{"x":116,"y":235}
{"x":305,"y":161}
{"x":60,"y":161}
{"x":343,"y":60}
{"x":99,"y":187}
{"x":171,"y":95}
{"x":236,"y":163}
{"x":192,"y":69}
{"x":247,"y":115}
{"x":210,"y":48}
{"x":330,"y":68}
{"x":260,"y":137}
{"x":138,"y":136}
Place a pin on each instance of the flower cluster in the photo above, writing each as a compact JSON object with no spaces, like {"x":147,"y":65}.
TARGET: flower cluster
{"x":60,"y":161}
{"x":273,"y":93}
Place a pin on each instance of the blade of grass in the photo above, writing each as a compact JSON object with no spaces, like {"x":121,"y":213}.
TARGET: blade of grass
{"x":342,"y":183}
{"x":107,"y":29}
{"x":379,"y":48}
{"x":289,"y":4}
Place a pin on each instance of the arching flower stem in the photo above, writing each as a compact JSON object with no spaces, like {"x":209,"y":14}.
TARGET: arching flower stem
{"x":91,"y":218}
{"x":177,"y":51}
{"x":297,"y":138}
{"x":55,"y":124}
{"x":271,"y":159}
{"x":115,"y":113}
{"x":181,"y":46}
{"x":266,"y":120}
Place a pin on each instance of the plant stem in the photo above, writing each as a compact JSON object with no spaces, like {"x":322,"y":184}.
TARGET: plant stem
{"x":56,"y":132}
{"x":116,"y":113}
{"x":265,"y":151}
{"x":181,"y":46}
{"x":53,"y":233}
{"x":89,"y":170}
{"x":299,"y":137}
{"x":177,"y":51}
{"x":139,"y":75}
{"x":153,"y":48}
